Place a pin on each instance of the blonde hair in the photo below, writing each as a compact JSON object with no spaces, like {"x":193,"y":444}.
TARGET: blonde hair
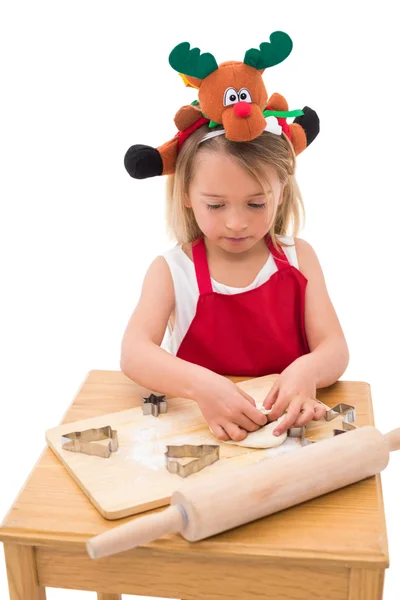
{"x":267,"y":149}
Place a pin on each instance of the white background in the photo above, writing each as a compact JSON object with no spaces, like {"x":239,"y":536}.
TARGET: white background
{"x":81,"y":81}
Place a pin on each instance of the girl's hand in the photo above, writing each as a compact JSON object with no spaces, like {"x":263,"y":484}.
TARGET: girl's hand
{"x":294,"y":390}
{"x":229,"y":411}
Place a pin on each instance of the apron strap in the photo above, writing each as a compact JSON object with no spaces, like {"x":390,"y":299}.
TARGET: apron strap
{"x":201,"y":266}
{"x":280,"y":257}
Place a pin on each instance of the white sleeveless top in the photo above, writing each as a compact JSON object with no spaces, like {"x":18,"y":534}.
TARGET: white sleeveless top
{"x":187,"y":291}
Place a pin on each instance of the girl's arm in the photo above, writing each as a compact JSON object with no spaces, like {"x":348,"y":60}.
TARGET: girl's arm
{"x":295,"y":388}
{"x":329,"y":355}
{"x":229,"y":411}
{"x":142,"y":359}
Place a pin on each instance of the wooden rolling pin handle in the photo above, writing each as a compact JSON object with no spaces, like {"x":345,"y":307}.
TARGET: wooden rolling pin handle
{"x":393,"y":439}
{"x":137,"y":532}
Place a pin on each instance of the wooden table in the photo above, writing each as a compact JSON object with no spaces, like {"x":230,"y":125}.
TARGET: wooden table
{"x":331,"y":548}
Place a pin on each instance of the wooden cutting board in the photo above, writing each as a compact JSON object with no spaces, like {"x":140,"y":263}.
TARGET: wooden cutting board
{"x":135,"y":479}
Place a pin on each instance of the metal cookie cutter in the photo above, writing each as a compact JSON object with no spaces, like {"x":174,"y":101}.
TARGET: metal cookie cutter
{"x":154,"y":405}
{"x":204,"y":456}
{"x":349,"y":416}
{"x":85,"y":441}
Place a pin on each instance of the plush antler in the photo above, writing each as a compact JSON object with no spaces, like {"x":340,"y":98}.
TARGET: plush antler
{"x":191,"y":62}
{"x":270,"y":53}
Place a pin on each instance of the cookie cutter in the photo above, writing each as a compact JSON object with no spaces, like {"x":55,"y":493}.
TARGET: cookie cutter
{"x":203,"y":455}
{"x":85,"y":441}
{"x":349,"y":416}
{"x":154,"y":405}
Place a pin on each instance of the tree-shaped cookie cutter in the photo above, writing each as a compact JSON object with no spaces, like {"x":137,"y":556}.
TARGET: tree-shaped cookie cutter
{"x":154,"y":405}
{"x":85,"y":441}
{"x":203,"y":456}
{"x":349,"y":416}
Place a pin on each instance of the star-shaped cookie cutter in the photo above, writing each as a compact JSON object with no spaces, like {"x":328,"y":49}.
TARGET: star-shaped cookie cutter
{"x":154,"y":405}
{"x":85,"y":441}
{"x":349,"y":416}
{"x":203,"y":455}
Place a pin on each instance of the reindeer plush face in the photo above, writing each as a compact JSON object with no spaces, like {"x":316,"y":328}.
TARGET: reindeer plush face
{"x":235,"y":96}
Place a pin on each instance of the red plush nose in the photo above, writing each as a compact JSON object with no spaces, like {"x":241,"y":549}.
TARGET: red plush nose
{"x":242,"y":109}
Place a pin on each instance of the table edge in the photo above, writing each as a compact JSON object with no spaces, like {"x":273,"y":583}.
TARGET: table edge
{"x":76,"y":543}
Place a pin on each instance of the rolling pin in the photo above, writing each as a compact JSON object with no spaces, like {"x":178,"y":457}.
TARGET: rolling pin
{"x":206,"y":506}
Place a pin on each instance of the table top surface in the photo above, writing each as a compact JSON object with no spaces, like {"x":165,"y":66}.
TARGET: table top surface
{"x":344,"y":527}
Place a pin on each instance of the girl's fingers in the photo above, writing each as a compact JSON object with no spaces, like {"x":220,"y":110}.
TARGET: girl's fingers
{"x":220,"y":433}
{"x":247,"y":424}
{"x":271,"y":396}
{"x":249,"y":398}
{"x":319,"y":412}
{"x":278,"y":408}
{"x":235,"y":433}
{"x":255,"y":415}
{"x":306,"y":415}
{"x":291,"y":417}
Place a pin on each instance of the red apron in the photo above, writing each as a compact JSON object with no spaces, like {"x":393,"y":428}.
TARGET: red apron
{"x":253,"y":333}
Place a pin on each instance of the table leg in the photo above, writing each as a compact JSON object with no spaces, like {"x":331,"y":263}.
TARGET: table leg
{"x":21,"y":573}
{"x":101,"y":596}
{"x":366,"y":584}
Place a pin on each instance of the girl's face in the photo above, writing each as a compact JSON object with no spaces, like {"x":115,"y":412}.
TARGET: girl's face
{"x":230,"y":207}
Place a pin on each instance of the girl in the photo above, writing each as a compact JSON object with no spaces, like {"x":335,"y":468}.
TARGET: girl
{"x":238,"y":295}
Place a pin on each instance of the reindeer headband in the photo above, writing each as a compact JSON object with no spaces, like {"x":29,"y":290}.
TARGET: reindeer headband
{"x":231,"y":94}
